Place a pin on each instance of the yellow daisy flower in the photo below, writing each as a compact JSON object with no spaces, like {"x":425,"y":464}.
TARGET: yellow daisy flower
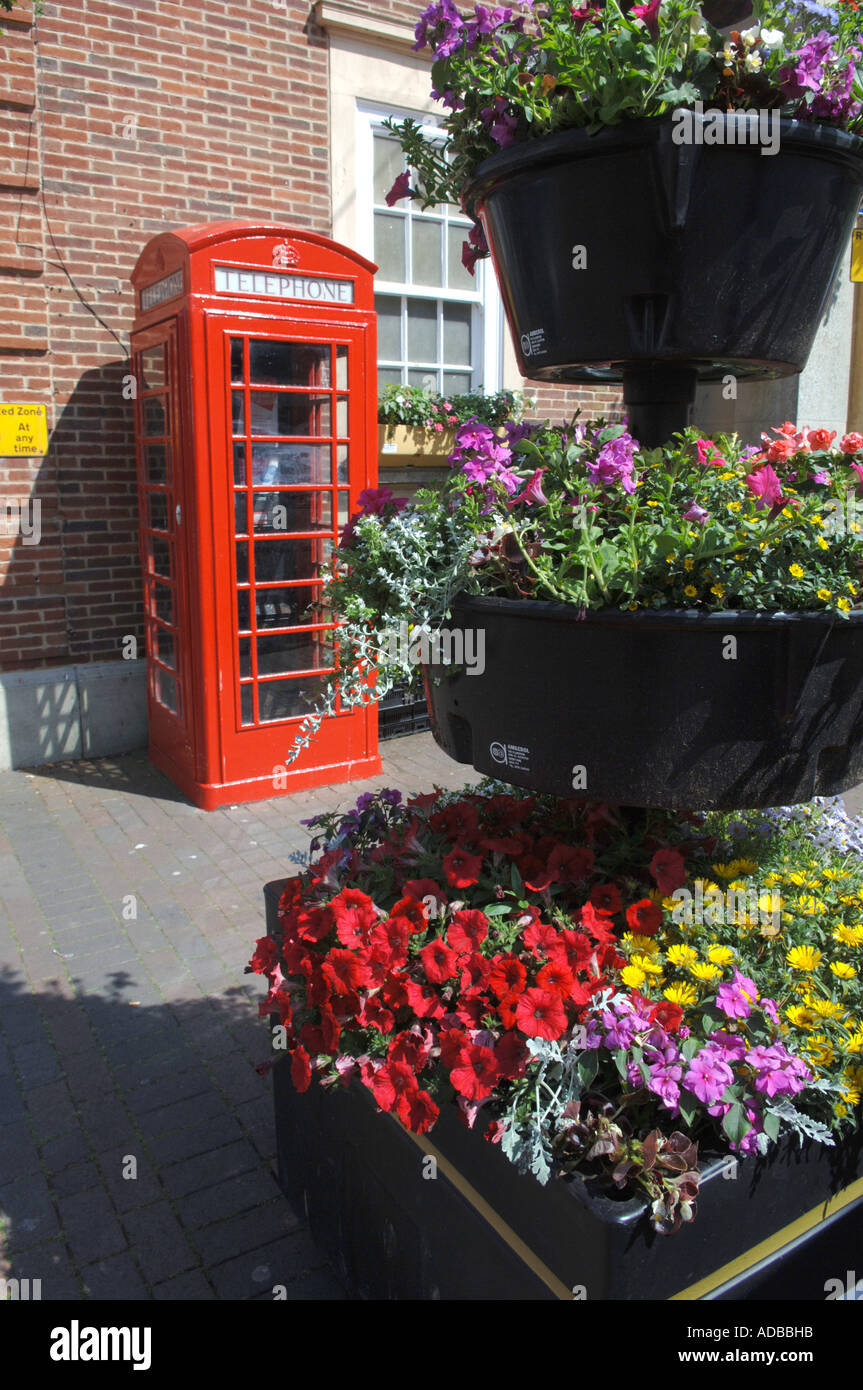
{"x":800,"y":1016}
{"x":682,"y":956}
{"x":819,"y":1047}
{"x":647,"y":964}
{"x":645,"y":945}
{"x":804,"y":958}
{"x":825,"y":1008}
{"x":632,"y":976}
{"x":797,"y":571}
{"x":842,"y":970}
{"x":720,"y":955}
{"x":702,"y":971}
{"x":849,"y":936}
{"x":684,"y":995}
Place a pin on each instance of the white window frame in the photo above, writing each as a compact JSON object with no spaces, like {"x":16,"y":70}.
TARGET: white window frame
{"x":487,"y":310}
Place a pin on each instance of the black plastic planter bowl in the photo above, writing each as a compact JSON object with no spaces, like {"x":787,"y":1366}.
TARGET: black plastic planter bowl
{"x":470,"y":1226}
{"x":670,"y":707}
{"x":704,"y":259}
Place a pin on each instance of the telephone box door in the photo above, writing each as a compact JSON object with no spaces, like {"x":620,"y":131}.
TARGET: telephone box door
{"x":285,"y":394}
{"x":162,"y":540}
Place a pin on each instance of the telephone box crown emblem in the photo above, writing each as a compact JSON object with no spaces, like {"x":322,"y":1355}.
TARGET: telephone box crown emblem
{"x":285,"y":254}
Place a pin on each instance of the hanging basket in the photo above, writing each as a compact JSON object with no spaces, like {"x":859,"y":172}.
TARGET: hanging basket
{"x":670,"y":708}
{"x":625,"y":249}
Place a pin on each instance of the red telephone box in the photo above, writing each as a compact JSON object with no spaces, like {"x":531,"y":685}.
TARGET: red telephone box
{"x":254,"y":354}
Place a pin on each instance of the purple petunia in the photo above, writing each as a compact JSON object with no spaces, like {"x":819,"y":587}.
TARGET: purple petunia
{"x":614,"y":462}
{"x":709,"y":1075}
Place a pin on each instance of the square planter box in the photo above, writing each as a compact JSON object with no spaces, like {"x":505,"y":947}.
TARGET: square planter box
{"x":470,"y":1226}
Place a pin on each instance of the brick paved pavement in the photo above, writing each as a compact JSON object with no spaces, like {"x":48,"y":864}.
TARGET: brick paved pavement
{"x":129,"y":1034}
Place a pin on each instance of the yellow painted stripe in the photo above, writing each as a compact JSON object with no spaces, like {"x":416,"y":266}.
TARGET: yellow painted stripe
{"x":773,"y":1243}
{"x":506,"y":1233}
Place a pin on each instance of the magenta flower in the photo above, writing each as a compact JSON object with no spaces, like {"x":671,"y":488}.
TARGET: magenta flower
{"x":400,"y":189}
{"x":614,"y":463}
{"x":732,"y":1045}
{"x":696,"y":513}
{"x":649,"y":14}
{"x":822,"y":478}
{"x":708,"y":452}
{"x":777,"y":1072}
{"x":708,"y":1076}
{"x":533,"y":491}
{"x":765,"y":486}
{"x":735,"y":998}
{"x":665,"y":1082}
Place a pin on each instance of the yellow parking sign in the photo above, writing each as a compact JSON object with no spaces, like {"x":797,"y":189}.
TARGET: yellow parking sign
{"x":857,"y":255}
{"x":23,"y":430}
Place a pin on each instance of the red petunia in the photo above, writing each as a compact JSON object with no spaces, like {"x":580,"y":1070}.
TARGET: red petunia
{"x":354,"y":915}
{"x":417,"y":1111}
{"x":540,"y":1014}
{"x":472,"y":1008}
{"x":292,"y":896}
{"x":266,"y":955}
{"x":669,"y":1016}
{"x":459,"y":821}
{"x":572,"y":948}
{"x":476,"y":1072}
{"x":343,"y":971}
{"x":408,"y":909}
{"x":668,"y":870}
{"x":571,"y":863}
{"x":596,"y":923}
{"x":390,"y":940}
{"x":425,"y":1001}
{"x":535,"y":872}
{"x":644,"y":917}
{"x":421,"y":888}
{"x":379,"y":1082}
{"x":394,"y":990}
{"x":330,"y":1030}
{"x":440,"y":961}
{"x":413,"y":1047}
{"x":605,"y":897}
{"x":507,"y":1009}
{"x":541,"y":937}
{"x":375,"y":1015}
{"x":461,"y":868}
{"x":512,"y":1056}
{"x":507,"y":976}
{"x":467,"y":930}
{"x":313,"y":923}
{"x":452,"y":1040}
{"x":475,"y":971}
{"x":556,"y":976}
{"x":301,"y":1071}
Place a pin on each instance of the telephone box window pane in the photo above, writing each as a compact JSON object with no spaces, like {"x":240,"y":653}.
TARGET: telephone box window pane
{"x":154,"y":416}
{"x":156,"y":463}
{"x":166,"y":691}
{"x":289,"y":364}
{"x":242,"y":562}
{"x":344,"y":508}
{"x":161,"y":602}
{"x":286,"y":465}
{"x":164,"y":646}
{"x":342,"y":415}
{"x":426,"y":252}
{"x":153,"y":368}
{"x":160,"y":552}
{"x":296,"y":651}
{"x":246,"y":706}
{"x":239,"y":464}
{"x":342,"y":367}
{"x":157,"y":504}
{"x":238,"y":413}
{"x":237,"y":359}
{"x":456,"y":333}
{"x":293,"y":413}
{"x":243,"y":610}
{"x":240,"y":517}
{"x":301,"y":604}
{"x":290,"y":698}
{"x":390,"y":246}
{"x":422,"y":330}
{"x":342,"y":462}
{"x":293,"y":511}
{"x":276,"y":561}
{"x":456,"y":383}
{"x":245,"y":656}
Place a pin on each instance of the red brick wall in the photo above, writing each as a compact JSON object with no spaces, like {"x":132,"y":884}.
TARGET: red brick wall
{"x":154,"y":114}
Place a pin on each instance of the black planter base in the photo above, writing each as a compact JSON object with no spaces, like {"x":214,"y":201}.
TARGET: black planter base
{"x":469,"y":1226}
{"x":664,"y":708}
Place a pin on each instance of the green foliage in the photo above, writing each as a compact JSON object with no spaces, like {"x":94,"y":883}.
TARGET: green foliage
{"x":420,"y":408}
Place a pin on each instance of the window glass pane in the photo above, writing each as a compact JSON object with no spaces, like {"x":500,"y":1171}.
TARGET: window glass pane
{"x":278,"y":560}
{"x":157,"y":506}
{"x":289,"y":364}
{"x":243,"y":562}
{"x":161,"y":602}
{"x":344,"y":508}
{"x":389,"y":163}
{"x":390,"y":246}
{"x":236,"y":359}
{"x":456,"y":383}
{"x":238,"y":413}
{"x":239,"y":463}
{"x":426,"y":252}
{"x":422,"y":330}
{"x":243,"y":610}
{"x":152,"y":368}
{"x":342,"y":368}
{"x":341,"y":415}
{"x":296,"y":651}
{"x":289,"y":698}
{"x":389,"y":376}
{"x":282,"y":412}
{"x":160,"y":555}
{"x":240,"y":514}
{"x":246,"y":708}
{"x":296,"y":606}
{"x":459,"y":277}
{"x":389,"y":312}
{"x":281,"y":465}
{"x":293,"y":511}
{"x":156,"y":463}
{"x":456,"y":333}
{"x":245,"y":646}
{"x":342,"y":462}
{"x":422,"y":376}
{"x":166,"y":690}
{"x":163,"y":643}
{"x":154,"y":416}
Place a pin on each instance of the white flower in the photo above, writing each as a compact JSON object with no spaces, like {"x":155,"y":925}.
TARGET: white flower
{"x":729,"y":53}
{"x":752,"y":62}
{"x":772,"y":38}
{"x":750,"y":36}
